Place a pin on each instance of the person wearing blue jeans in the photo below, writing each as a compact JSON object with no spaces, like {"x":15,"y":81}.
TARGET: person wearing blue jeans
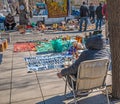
{"x":99,"y":16}
{"x":99,"y":23}
{"x":84,"y":13}
{"x":83,"y":19}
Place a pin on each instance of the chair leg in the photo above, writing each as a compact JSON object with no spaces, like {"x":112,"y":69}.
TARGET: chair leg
{"x":73,"y":92}
{"x":108,"y":101}
{"x":65,"y":86}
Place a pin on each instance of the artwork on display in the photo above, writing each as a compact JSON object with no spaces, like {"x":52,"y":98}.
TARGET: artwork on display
{"x":57,"y":8}
{"x":46,"y":62}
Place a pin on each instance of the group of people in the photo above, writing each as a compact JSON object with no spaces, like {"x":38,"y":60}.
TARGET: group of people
{"x":91,"y":11}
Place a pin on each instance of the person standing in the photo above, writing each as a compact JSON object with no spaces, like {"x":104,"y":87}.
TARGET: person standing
{"x":105,"y":13}
{"x":99,"y":17}
{"x":84,"y":13}
{"x":92,"y":12}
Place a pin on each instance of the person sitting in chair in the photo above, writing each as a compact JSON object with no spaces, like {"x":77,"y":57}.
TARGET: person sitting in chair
{"x":10,"y":22}
{"x":96,"y":49}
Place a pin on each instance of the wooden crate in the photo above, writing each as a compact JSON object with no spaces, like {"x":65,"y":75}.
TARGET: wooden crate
{"x":2,"y":48}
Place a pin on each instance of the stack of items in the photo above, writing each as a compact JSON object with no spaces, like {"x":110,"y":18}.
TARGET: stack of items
{"x":46,"y":62}
{"x":24,"y":46}
{"x":21,"y":29}
{"x":72,"y":25}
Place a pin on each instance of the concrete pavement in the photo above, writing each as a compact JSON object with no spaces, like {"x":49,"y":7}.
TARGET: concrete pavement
{"x":43,"y":87}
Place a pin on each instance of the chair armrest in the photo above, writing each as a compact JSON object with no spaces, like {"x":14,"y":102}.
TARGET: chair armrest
{"x":73,"y":78}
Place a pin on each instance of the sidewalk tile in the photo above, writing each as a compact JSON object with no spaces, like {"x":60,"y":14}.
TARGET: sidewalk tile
{"x":4,"y":96}
{"x":53,"y":88}
{"x":26,"y":80}
{"x":48,"y":77}
{"x":29,"y":101}
{"x":4,"y":84}
{"x":25,"y":93}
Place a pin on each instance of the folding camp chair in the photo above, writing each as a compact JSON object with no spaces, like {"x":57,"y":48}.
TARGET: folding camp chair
{"x":91,"y":75}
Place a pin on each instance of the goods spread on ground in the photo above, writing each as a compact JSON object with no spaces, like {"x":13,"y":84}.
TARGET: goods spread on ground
{"x":54,"y":45}
{"x":24,"y":46}
{"x":46,"y":61}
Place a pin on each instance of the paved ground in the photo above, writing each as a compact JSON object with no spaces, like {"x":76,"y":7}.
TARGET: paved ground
{"x":19,"y":87}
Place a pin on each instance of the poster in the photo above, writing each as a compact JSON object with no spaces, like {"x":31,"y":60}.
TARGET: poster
{"x":57,"y":8}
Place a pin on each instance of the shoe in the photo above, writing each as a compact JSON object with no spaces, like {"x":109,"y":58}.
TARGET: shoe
{"x":82,"y":94}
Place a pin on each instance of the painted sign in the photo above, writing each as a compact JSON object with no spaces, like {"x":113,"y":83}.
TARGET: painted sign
{"x":57,"y":8}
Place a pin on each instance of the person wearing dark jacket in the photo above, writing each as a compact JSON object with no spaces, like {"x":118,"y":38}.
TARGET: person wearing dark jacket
{"x":92,"y":12}
{"x":96,"y":49}
{"x":84,"y":13}
{"x":10,"y":22}
{"x":99,"y":16}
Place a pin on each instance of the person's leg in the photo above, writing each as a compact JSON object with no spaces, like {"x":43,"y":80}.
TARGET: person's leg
{"x":100,"y":23}
{"x":97,"y":22}
{"x":12,"y":26}
{"x":7,"y":26}
{"x":86,"y":22}
{"x":81,"y":22}
{"x":90,"y":15}
{"x":93,"y":16}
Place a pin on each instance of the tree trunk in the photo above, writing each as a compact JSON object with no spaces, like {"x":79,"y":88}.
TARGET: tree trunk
{"x":23,"y":16}
{"x":114,"y":31}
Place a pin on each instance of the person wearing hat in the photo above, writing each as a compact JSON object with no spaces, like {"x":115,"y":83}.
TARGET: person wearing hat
{"x":96,"y":49}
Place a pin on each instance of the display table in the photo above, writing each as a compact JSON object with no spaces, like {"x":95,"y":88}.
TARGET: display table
{"x":38,"y":18}
{"x":34,"y":18}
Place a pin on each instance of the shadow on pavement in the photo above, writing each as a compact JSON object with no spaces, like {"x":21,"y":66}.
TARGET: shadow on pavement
{"x":54,"y":100}
{"x":96,"y":99}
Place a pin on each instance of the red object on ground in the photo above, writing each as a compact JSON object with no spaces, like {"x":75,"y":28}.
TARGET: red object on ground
{"x":28,"y":27}
{"x":22,"y":47}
